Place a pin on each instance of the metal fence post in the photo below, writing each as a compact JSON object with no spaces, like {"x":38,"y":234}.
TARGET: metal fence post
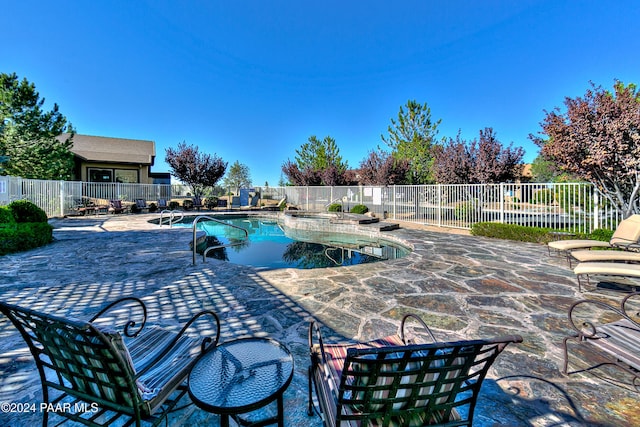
{"x":393,"y":198}
{"x":62,"y":197}
{"x":439,"y":208}
{"x":596,"y":209}
{"x":502,"y":196}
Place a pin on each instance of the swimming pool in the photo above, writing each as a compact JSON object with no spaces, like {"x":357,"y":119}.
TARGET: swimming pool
{"x":269,"y":246}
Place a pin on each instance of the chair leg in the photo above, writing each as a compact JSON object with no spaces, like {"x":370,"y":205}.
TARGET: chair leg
{"x":579,"y":283}
{"x":310,"y":409}
{"x":566,"y":355}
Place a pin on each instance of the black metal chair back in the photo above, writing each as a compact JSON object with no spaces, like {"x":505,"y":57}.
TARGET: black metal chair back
{"x":394,"y":382}
{"x":91,"y":367}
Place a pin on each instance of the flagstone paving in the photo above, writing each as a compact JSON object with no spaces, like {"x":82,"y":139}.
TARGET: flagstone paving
{"x":463,"y":286}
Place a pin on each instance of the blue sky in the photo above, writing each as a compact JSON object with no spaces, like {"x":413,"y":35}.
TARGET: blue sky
{"x":252,"y":80}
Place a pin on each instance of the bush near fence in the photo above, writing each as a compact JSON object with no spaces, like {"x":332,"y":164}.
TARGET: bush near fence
{"x":530,"y":234}
{"x":23,"y":226}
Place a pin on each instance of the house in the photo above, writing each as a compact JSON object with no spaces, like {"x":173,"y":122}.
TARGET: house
{"x":105,"y":159}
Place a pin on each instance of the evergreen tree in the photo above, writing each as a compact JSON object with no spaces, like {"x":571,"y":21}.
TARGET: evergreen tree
{"x":31,"y":145}
{"x":237,"y":177}
{"x":412,"y":138}
{"x":317,"y":163}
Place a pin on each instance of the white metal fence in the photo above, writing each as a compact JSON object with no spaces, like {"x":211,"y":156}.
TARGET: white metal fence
{"x":570,"y":206}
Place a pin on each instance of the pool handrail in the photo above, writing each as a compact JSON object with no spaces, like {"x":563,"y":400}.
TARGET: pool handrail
{"x":338,"y":199}
{"x":172,"y":215}
{"x":210,"y":218}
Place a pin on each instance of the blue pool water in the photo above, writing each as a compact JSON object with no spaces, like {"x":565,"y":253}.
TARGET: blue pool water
{"x":269,"y":247}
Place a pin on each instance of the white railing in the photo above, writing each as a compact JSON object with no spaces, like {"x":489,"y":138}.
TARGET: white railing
{"x":571,"y":206}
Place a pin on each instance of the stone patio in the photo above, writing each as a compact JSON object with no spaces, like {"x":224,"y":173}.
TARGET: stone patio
{"x":463,"y":286}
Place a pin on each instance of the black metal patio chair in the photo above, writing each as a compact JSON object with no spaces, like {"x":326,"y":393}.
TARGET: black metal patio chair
{"x":396,"y":381}
{"x":611,"y":332}
{"x":116,"y":207}
{"x":97,"y":375}
{"x":141,"y":205}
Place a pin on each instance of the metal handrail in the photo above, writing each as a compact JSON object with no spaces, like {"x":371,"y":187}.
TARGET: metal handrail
{"x":172,"y":215}
{"x":210,"y":218}
{"x":338,"y":199}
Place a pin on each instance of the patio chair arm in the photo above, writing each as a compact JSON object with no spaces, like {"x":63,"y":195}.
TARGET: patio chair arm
{"x":420,"y":321}
{"x":632,"y":245}
{"x":130,"y":323}
{"x":587,"y":328}
{"x":207,"y":342}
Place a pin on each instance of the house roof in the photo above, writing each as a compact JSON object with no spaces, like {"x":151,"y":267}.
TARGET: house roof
{"x":112,"y":150}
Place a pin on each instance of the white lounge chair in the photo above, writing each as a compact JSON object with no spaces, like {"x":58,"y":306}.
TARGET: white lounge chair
{"x":606,"y":256}
{"x":619,"y":269}
{"x":626,"y":237}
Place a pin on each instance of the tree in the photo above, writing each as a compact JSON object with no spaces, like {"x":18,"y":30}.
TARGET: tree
{"x":316,"y":163}
{"x":598,"y":139}
{"x":543,"y":170}
{"x":412,"y":138}
{"x":453,"y":162}
{"x":495,"y":163}
{"x":237,"y":177}
{"x":31,"y":145}
{"x":198,"y":170}
{"x":380,"y":168}
{"x":484,"y":160}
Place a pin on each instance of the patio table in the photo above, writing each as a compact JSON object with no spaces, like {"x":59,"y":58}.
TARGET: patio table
{"x":241,"y":376}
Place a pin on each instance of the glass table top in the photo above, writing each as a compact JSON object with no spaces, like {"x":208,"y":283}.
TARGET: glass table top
{"x":241,"y":375}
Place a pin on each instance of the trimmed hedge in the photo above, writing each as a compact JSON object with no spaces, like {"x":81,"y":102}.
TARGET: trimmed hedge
{"x":7,"y":217}
{"x":23,"y":226}
{"x":26,"y":211}
{"x":359,"y":209}
{"x":530,"y":234}
{"x":602,"y":234}
{"x":335,"y":207}
{"x":24,"y":236}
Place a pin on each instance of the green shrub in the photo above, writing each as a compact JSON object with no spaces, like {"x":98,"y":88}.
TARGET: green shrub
{"x":464,"y":211}
{"x":25,"y":236}
{"x":574,"y":198}
{"x":542,"y":197}
{"x":211,"y":202}
{"x":530,"y":234}
{"x":359,"y":209}
{"x":511,"y":232}
{"x":601,"y":234}
{"x":26,"y":211}
{"x":7,"y":217}
{"x":335,"y":207}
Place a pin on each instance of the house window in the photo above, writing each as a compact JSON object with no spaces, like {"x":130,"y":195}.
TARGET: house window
{"x":127,"y":176}
{"x":100,"y":175}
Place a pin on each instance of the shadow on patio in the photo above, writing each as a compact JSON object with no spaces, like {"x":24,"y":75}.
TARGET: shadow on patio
{"x":524,"y":387}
